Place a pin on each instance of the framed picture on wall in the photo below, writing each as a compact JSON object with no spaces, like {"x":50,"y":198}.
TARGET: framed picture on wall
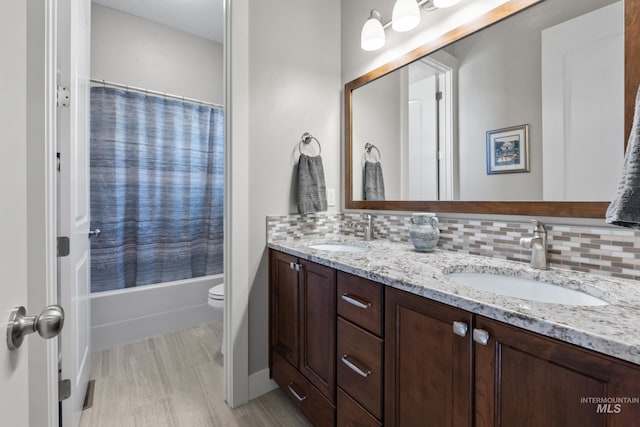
{"x":508,"y":150}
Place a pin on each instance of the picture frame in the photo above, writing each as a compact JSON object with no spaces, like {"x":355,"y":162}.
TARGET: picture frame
{"x":508,"y":150}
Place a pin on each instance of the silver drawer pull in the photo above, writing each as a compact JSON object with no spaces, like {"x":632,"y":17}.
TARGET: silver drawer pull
{"x":355,"y":368}
{"x":295,"y":394}
{"x":460,"y":328}
{"x":355,"y":301}
{"x":481,"y":336}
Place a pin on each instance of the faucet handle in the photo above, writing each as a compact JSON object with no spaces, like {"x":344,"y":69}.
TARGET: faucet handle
{"x":538,"y":226}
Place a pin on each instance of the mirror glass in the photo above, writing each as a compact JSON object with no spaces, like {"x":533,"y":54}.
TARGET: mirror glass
{"x":528,"y":109}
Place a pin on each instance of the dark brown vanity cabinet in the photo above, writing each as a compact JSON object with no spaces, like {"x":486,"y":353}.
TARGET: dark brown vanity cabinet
{"x":352,"y":352}
{"x":303,"y":334}
{"x":525,"y":379}
{"x":360,"y":353}
{"x":441,"y":373}
{"x":428,"y":366}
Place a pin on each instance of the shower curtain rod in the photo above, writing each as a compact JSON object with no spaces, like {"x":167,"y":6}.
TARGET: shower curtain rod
{"x":154,"y":92}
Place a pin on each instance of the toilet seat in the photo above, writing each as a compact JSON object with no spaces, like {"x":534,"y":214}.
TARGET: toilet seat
{"x":217,"y":292}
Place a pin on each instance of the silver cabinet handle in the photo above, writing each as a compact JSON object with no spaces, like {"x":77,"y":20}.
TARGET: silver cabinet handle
{"x":354,"y":367}
{"x":295,"y":393}
{"x":356,"y":301}
{"x":48,"y":324}
{"x":94,"y":233}
{"x":295,"y":266}
{"x":481,"y":336}
{"x":460,"y":328}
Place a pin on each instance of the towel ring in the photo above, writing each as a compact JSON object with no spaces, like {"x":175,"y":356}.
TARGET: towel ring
{"x":369,"y":146}
{"x":306,"y":139}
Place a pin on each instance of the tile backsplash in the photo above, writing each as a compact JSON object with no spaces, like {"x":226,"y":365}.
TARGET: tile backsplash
{"x":599,"y":250}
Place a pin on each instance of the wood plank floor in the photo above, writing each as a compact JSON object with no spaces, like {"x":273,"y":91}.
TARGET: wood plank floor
{"x":176,"y":380}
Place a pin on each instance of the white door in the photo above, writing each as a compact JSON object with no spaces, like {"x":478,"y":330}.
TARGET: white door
{"x":74,"y":23}
{"x":13,"y":214}
{"x":583,"y":105}
{"x":28,"y":375}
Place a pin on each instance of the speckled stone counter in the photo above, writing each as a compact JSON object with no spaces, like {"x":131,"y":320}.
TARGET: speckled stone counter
{"x":612,"y":329}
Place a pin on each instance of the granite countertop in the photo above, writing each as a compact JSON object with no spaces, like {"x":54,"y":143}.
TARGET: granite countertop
{"x":610,"y":329}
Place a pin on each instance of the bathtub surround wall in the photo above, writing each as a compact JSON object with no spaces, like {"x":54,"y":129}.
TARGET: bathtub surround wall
{"x":123,"y":316}
{"x":602,"y":250}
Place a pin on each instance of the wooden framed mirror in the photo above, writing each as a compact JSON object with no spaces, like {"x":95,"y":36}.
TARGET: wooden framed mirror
{"x":450,"y":195}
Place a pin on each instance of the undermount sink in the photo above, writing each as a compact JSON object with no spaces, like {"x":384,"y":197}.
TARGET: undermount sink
{"x":528,"y":289}
{"x":340,"y":247}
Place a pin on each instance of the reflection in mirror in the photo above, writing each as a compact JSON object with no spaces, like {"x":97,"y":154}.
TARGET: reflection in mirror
{"x":557,"y":67}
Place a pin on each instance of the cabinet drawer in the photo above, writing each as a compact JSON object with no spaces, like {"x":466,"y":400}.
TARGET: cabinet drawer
{"x":360,"y":366}
{"x":351,"y":414}
{"x":318,"y":410}
{"x":360,"y":301}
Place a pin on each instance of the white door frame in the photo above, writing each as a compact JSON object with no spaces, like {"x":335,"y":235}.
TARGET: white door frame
{"x":236,"y":204}
{"x":41,"y":205}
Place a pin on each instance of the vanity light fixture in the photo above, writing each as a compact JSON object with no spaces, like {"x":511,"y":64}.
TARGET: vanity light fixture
{"x":372,"y":36}
{"x":444,"y":3}
{"x":405,"y":17}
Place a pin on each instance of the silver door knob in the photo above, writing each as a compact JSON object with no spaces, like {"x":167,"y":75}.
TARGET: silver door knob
{"x":94,"y":233}
{"x":48,"y":324}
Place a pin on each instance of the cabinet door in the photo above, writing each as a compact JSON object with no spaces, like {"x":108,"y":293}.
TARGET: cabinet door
{"x":318,"y":327}
{"x":427,"y":366}
{"x":284,"y":312}
{"x":523,"y":378}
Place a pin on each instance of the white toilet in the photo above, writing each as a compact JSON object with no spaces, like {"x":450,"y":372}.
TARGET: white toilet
{"x":216,"y":300}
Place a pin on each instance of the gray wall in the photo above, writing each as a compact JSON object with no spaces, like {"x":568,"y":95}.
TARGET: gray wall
{"x":294,"y":87}
{"x":130,"y":50}
{"x":378,"y":119}
{"x":499,"y":86}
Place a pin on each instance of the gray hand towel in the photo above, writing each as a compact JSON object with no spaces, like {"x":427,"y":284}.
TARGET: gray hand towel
{"x":624,"y":210}
{"x":311,"y":192}
{"x":373,"y":181}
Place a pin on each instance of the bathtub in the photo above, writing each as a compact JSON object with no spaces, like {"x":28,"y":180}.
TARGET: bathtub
{"x":126,"y":315}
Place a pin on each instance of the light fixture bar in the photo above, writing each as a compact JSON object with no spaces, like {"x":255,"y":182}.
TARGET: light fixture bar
{"x":405,"y":17}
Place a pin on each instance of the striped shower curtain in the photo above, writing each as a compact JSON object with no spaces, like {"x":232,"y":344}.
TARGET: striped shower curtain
{"x":156,"y":189}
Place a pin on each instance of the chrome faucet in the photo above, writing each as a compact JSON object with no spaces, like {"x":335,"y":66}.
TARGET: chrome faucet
{"x":538,"y":245}
{"x":367,"y":227}
{"x":366,"y":224}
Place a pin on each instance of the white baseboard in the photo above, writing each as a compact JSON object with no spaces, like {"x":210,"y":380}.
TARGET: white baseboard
{"x":260,"y":383}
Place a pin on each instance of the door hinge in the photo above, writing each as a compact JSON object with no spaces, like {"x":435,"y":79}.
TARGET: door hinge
{"x":63,"y":98}
{"x":63,"y":246}
{"x":64,"y":389}
{"x":58,"y":161}
{"x":438,"y":95}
